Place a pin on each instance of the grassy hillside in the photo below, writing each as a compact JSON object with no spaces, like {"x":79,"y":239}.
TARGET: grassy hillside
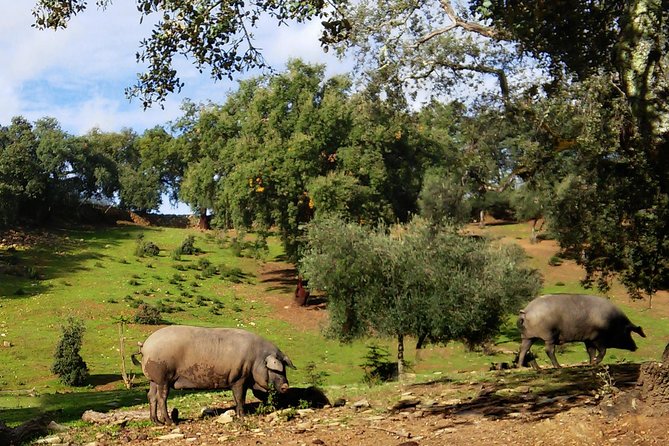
{"x":94,"y":275}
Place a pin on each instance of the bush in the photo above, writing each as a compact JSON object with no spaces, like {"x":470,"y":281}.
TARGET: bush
{"x":145,"y":248}
{"x":148,"y":315}
{"x":377,"y":367}
{"x":315,"y":377}
{"x":68,"y":363}
{"x":555,"y":261}
{"x":188,"y":246}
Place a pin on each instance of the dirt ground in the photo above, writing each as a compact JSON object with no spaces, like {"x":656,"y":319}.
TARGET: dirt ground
{"x":426,"y":414}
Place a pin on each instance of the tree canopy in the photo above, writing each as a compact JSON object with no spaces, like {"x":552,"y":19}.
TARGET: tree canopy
{"x":430,"y":282}
{"x":216,"y":36}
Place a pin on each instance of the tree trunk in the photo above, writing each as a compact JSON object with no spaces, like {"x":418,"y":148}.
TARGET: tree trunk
{"x":654,"y":383}
{"x":421,"y":341}
{"x":400,"y":356}
{"x":204,"y":221}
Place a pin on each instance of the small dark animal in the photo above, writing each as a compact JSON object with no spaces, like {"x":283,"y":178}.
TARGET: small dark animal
{"x":301,"y":293}
{"x":184,"y":357}
{"x":560,"y":318}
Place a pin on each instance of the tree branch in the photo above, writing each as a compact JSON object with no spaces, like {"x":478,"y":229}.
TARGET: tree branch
{"x":477,"y":28}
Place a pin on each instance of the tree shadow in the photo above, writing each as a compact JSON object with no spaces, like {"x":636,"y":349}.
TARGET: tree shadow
{"x":54,"y":254}
{"x":69,"y":406}
{"x":542,"y":394}
{"x":284,"y":280}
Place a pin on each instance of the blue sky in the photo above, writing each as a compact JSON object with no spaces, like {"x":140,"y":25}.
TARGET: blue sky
{"x":78,"y":75}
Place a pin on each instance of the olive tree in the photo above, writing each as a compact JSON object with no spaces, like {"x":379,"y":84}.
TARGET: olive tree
{"x":414,"y":280}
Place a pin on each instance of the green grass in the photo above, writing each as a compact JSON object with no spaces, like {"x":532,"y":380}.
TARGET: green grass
{"x":95,"y":276}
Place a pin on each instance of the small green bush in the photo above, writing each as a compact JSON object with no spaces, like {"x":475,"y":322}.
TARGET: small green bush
{"x":377,"y":367}
{"x":315,"y":377}
{"x":145,"y":248}
{"x":203,"y":263}
{"x":148,"y":315}
{"x":68,"y":363}
{"x":555,"y":261}
{"x":176,"y":254}
{"x":209,"y":271}
{"x":188,"y":246}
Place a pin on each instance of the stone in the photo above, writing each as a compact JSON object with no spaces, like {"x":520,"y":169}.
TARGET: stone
{"x":175,"y":436}
{"x":226,"y":417}
{"x":54,"y":439}
{"x":405,"y":402}
{"x":55,"y":427}
{"x":361,"y":404}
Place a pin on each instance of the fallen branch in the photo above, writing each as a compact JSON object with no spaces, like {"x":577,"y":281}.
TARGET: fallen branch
{"x":27,"y":431}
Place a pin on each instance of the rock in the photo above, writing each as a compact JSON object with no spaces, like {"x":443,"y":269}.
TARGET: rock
{"x":6,"y":344}
{"x":55,"y":427}
{"x":405,"y":402}
{"x":318,"y":441}
{"x":361,"y":404}
{"x":171,"y":437}
{"x":303,"y":412}
{"x":54,"y":439}
{"x":302,"y":427}
{"x":227,"y":417}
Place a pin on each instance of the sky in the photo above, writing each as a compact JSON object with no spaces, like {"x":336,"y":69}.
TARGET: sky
{"x":78,"y":75}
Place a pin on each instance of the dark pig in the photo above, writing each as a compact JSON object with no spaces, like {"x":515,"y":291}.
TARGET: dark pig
{"x":184,"y":357}
{"x":560,"y":318}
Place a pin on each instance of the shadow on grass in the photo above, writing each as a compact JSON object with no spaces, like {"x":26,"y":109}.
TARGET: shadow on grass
{"x":284,"y":280}
{"x":69,"y":406}
{"x":542,"y":394}
{"x":56,"y":254}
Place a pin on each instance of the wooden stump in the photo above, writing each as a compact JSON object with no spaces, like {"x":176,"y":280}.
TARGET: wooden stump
{"x":654,"y":384}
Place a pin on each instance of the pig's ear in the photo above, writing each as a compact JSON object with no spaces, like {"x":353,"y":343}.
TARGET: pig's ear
{"x":274,"y":364}
{"x":288,"y":362}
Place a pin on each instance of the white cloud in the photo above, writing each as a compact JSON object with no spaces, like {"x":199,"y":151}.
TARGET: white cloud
{"x":78,"y":75}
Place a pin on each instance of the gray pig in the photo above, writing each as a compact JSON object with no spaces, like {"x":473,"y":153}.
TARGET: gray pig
{"x":184,"y":357}
{"x":560,"y":318}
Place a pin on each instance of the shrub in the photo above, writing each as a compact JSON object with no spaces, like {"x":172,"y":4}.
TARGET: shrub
{"x":176,"y":254}
{"x":203,"y":263}
{"x":377,"y":367}
{"x":315,"y":377}
{"x":148,"y":315}
{"x":555,"y":261}
{"x":68,"y":363}
{"x":145,"y":248}
{"x":188,"y":246}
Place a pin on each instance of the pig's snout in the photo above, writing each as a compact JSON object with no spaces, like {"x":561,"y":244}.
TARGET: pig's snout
{"x":283,"y":388}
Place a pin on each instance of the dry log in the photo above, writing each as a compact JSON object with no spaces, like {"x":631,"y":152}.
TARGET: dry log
{"x":119,"y":417}
{"x":25,"y":432}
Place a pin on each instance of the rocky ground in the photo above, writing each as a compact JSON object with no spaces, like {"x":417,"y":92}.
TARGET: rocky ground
{"x":497,"y":413}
